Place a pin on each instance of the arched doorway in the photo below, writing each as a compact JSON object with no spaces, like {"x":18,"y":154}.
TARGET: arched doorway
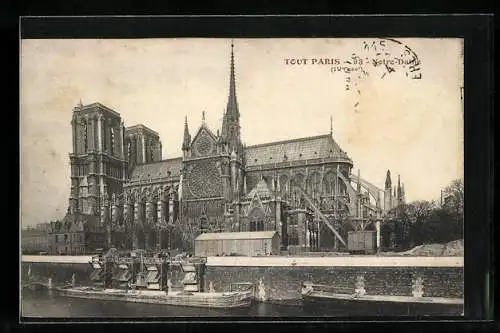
{"x":256,"y":219}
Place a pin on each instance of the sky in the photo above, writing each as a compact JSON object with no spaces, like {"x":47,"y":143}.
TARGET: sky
{"x":386,"y":120}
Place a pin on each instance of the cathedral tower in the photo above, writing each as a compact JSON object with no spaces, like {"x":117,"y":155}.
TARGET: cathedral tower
{"x":142,"y":145}
{"x":98,"y":164}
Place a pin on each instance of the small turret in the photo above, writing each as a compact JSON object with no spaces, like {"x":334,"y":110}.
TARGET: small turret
{"x":388,"y":182}
{"x":399,"y":187}
{"x":388,"y":192}
{"x":186,"y":142}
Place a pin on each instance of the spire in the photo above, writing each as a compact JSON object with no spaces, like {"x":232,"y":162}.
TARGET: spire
{"x":232,"y":104}
{"x":230,"y":133}
{"x":331,"y":125}
{"x":186,"y":141}
{"x":203,"y":117}
{"x":388,"y":182}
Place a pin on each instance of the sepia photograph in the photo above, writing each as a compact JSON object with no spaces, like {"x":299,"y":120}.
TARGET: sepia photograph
{"x":245,"y":177}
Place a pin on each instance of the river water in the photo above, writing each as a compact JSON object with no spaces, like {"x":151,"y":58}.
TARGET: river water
{"x":43,"y":304}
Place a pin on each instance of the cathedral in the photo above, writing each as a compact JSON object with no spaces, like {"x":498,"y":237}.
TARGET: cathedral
{"x":125,"y":195}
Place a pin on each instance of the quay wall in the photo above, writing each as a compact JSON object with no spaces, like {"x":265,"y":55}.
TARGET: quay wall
{"x":278,"y":279}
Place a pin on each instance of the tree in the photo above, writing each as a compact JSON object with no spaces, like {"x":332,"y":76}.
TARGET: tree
{"x":453,"y":203}
{"x":418,"y":213}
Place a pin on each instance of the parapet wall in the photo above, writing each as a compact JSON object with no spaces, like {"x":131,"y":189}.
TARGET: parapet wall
{"x":340,"y":261}
{"x":278,"y":279}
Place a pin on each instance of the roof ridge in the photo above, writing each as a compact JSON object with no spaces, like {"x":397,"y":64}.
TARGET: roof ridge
{"x":202,"y":127}
{"x":290,"y":140}
{"x":161,"y":161}
{"x":99,"y":104}
{"x":141,"y":125}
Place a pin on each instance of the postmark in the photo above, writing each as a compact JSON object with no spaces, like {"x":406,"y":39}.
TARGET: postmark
{"x":375,"y":58}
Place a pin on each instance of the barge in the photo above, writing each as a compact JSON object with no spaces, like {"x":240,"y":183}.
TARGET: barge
{"x":361,"y":304}
{"x":143,"y":278}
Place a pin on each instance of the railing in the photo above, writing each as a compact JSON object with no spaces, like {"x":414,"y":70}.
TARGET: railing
{"x":286,"y":164}
{"x":139,"y":182}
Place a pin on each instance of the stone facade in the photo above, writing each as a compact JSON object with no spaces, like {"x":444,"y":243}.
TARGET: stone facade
{"x":121,"y":183}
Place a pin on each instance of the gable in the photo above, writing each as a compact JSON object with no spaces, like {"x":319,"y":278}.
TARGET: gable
{"x":261,"y":189}
{"x":204,"y":143}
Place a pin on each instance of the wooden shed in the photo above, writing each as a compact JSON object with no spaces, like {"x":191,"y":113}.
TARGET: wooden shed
{"x":237,"y":243}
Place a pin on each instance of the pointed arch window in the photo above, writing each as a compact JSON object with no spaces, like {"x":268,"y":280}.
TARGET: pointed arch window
{"x":112,"y":140}
{"x":204,"y":224}
{"x":151,"y":151}
{"x":129,"y":150}
{"x":84,"y":135}
{"x":260,"y":225}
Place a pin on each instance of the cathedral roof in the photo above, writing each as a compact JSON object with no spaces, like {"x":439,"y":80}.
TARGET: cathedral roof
{"x":139,"y":127}
{"x":261,"y":189}
{"x":167,"y":168}
{"x":322,"y":146}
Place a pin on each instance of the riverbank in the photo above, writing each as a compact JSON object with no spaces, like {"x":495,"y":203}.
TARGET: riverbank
{"x":276,"y":261}
{"x":278,"y":279}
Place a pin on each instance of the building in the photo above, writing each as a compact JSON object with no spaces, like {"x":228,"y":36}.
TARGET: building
{"x":249,"y":244}
{"x":36,"y":239}
{"x":121,"y":187}
{"x":76,"y":237}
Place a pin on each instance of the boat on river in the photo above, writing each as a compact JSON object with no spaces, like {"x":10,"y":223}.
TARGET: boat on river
{"x":142,"y":278}
{"x":360,"y":303}
{"x":230,"y":299}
